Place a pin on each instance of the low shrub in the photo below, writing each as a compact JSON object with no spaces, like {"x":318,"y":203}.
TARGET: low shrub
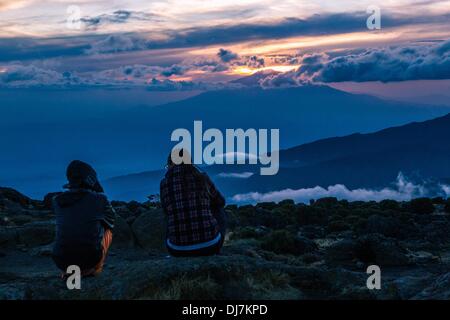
{"x":447,"y":206}
{"x":421,"y":206}
{"x":284,"y":242}
{"x":184,"y":287}
{"x":337,"y":226}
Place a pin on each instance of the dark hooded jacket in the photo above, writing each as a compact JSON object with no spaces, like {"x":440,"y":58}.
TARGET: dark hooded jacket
{"x":82,"y":214}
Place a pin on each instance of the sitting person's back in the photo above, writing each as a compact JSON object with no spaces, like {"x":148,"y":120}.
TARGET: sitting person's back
{"x":196,"y":222}
{"x":84,"y":220}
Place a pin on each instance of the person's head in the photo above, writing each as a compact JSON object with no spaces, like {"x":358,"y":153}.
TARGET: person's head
{"x":81,"y":175}
{"x":178,"y":157}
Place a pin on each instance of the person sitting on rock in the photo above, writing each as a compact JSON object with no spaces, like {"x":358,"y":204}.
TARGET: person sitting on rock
{"x":194,"y":209}
{"x":84,"y":222}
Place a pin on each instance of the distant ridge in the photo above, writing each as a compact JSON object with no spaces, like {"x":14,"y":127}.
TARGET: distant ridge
{"x":118,"y":139}
{"x":419,"y":150}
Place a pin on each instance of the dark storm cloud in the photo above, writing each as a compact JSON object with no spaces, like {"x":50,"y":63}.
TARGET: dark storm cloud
{"x":423,"y":61}
{"x":25,"y":48}
{"x":387,"y":65}
{"x":226,"y":55}
{"x":314,"y":25}
{"x":15,"y":49}
{"x":118,"y":43}
{"x":119,"y":16}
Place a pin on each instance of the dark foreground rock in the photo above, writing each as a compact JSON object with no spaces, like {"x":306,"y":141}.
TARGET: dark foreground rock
{"x":149,"y":230}
{"x":272,"y":251}
{"x":123,"y":235}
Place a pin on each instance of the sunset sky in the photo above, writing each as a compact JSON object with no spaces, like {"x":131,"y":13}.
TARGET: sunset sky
{"x":202,"y":44}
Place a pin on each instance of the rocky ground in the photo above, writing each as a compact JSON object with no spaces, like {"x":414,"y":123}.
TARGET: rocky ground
{"x":272,"y":251}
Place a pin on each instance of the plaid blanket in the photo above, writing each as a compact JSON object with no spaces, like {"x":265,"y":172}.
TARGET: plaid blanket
{"x":190,"y":200}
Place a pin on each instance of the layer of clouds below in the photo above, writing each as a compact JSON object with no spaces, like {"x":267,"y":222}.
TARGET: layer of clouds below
{"x":19,"y":75}
{"x":420,"y":61}
{"x":236,"y":175}
{"x":25,"y":76}
{"x":30,"y":75}
{"x":404,"y":190}
{"x":223,"y":60}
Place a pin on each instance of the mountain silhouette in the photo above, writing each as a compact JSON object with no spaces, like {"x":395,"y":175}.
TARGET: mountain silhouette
{"x":419,"y":150}
{"x":119,"y":137}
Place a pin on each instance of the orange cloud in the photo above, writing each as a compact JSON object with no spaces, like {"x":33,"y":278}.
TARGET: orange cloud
{"x":13,"y":4}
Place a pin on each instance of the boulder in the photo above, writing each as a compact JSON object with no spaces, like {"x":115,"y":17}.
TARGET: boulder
{"x":284,"y":242}
{"x":390,"y":205}
{"x":348,"y":285}
{"x":337,"y":226}
{"x":369,"y":249}
{"x":326,"y":202}
{"x":218,"y":277}
{"x":447,"y":206}
{"x":409,"y":286}
{"x":122,"y":234}
{"x":20,"y":219}
{"x":388,"y":227}
{"x":341,"y":253}
{"x":10,"y":207}
{"x":437,"y":232}
{"x":382,"y":251}
{"x":149,"y":230}
{"x":8,"y":237}
{"x":36,"y":233}
{"x":43,"y":251}
{"x":4,"y":221}
{"x":421,"y":206}
{"x":12,"y":291}
{"x":439,"y":289}
{"x":14,"y":196}
{"x":423,"y":257}
{"x":133,"y":206}
{"x":306,"y":245}
{"x":312,"y":231}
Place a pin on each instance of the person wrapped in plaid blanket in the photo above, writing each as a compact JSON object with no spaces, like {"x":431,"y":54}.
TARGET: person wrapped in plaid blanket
{"x":196,"y":223}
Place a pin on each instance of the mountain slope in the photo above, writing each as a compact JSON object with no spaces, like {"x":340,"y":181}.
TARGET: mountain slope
{"x":303,"y":114}
{"x":118,"y":138}
{"x":420,"y":150}
{"x":423,"y":133}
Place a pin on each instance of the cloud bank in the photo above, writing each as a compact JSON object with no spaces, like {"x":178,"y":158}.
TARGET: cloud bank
{"x":419,"y":61}
{"x":403,"y":190}
{"x":26,"y":76}
{"x":118,"y":43}
{"x":18,"y":75}
{"x":424,"y":61}
{"x":40,"y":74}
{"x":226,"y":55}
{"x":153,"y":33}
{"x":237,"y":175}
{"x":314,"y":25}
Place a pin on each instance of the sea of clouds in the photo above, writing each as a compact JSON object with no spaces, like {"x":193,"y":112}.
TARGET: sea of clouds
{"x":402,"y":190}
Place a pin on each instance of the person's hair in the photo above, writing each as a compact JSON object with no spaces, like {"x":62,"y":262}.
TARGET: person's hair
{"x":187,"y":163}
{"x":81,"y":175}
